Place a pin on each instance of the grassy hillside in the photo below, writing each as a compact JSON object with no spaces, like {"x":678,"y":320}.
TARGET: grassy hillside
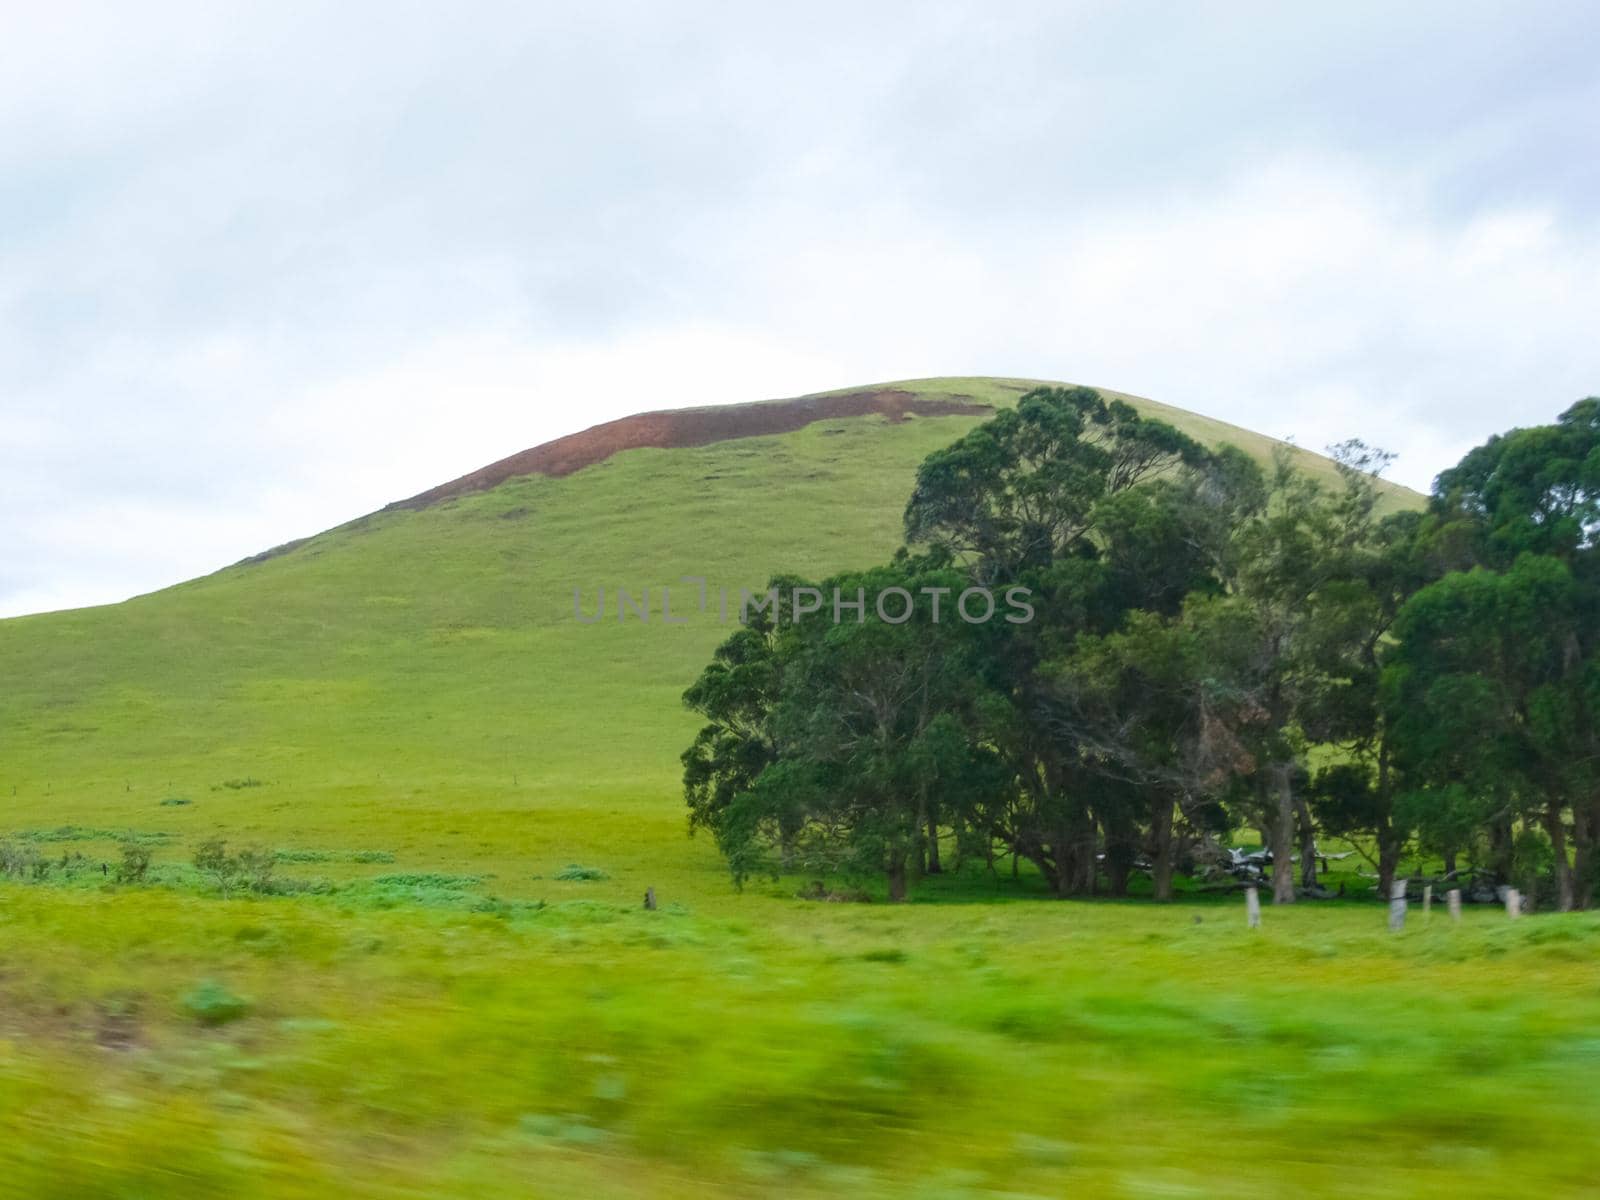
{"x":406,"y":709}
{"x":430,"y":662}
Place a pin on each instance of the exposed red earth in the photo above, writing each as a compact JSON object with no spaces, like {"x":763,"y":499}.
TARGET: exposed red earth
{"x":671,"y":429}
{"x":681,"y":427}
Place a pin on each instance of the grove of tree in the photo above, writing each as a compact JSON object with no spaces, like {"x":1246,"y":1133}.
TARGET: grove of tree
{"x":1214,"y":647}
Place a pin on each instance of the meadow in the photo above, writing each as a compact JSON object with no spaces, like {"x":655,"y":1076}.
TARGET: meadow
{"x":455,"y":989}
{"x":421,"y":1039}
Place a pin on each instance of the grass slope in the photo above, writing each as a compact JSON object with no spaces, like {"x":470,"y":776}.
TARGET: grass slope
{"x":423,"y":661}
{"x":407,"y":709}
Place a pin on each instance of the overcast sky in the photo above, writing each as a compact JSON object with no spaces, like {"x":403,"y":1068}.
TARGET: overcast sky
{"x":263,"y":269}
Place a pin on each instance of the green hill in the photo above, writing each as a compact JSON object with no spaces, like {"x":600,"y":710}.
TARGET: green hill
{"x":424,"y":662}
{"x":452,"y":989}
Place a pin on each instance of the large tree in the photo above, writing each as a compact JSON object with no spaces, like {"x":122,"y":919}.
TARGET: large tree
{"x":1494,"y":702}
{"x":1285,"y":638}
{"x":737,"y":693}
{"x":839,"y":737}
{"x":1032,"y":498}
{"x":1494,"y":688}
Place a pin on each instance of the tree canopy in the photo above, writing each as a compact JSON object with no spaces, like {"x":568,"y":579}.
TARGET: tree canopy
{"x":1196,"y":646}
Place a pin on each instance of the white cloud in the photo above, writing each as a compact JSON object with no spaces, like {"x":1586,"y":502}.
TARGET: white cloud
{"x":262,"y":270}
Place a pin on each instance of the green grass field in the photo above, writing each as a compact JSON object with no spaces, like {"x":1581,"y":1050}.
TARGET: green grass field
{"x":407,"y":711}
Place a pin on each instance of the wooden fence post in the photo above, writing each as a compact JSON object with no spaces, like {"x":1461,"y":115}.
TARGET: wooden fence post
{"x":1397,"y":905}
{"x":1252,"y":908}
{"x":1427,"y":901}
{"x":650,"y":899}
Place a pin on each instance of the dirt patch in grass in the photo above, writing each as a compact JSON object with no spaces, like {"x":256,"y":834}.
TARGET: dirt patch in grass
{"x":677,"y":428}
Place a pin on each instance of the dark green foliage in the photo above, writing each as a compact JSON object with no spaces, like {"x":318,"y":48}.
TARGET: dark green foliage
{"x":1095,"y":511}
{"x":211,"y":1003}
{"x":838,"y":747}
{"x":1199,"y":628}
{"x":1493,"y":686}
{"x":573,"y":873}
{"x":1021,"y":490}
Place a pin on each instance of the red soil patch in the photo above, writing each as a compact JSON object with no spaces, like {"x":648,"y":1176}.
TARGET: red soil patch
{"x":677,"y":428}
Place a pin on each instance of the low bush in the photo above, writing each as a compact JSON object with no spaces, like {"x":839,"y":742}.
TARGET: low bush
{"x":212,"y":1004}
{"x":573,"y":873}
{"x":135,"y":863}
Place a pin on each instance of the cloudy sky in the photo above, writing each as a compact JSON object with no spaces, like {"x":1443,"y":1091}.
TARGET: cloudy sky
{"x":263,"y":269}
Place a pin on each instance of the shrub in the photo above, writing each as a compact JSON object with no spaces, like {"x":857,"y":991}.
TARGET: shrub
{"x":135,"y":862}
{"x":255,"y":865}
{"x":304,"y":856}
{"x":251,"y":867}
{"x":212,"y":1004}
{"x":573,"y":873}
{"x":884,"y":954}
{"x":211,"y":858}
{"x":20,"y":862}
{"x":425,"y":889}
{"x":302,"y":887}
{"x":330,"y":856}
{"x":429,"y":879}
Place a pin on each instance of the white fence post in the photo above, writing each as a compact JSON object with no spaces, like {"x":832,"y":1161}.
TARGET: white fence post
{"x":1513,"y":903}
{"x":1252,"y":908}
{"x":1397,"y":905}
{"x":1454,"y":897}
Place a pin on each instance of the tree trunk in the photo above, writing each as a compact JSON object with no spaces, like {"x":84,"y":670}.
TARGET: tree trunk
{"x":1556,"y":828}
{"x":1308,"y":844}
{"x":934,"y":866}
{"x":897,"y":876}
{"x":1500,"y":841}
{"x":1583,"y":832}
{"x":788,"y":834}
{"x":1161,"y":845}
{"x":1388,"y":860}
{"x":1086,"y":871}
{"x":1073,"y":853}
{"x":1117,"y":873}
{"x":1449,"y":862}
{"x":1283,"y":834}
{"x":1058,"y":870}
